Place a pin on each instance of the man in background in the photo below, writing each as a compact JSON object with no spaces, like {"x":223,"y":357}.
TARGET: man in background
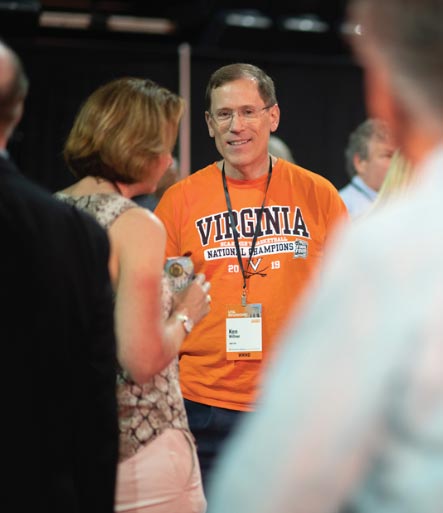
{"x":278,"y":148}
{"x":368,"y":154}
{"x":59,"y":406}
{"x":352,"y":409}
{"x":171,"y":176}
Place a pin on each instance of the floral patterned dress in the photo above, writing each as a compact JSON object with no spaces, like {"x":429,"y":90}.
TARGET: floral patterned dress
{"x":145,"y":411}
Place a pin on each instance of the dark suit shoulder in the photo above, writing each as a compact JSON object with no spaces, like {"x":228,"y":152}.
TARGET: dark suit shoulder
{"x":57,"y":324}
{"x":24,"y":201}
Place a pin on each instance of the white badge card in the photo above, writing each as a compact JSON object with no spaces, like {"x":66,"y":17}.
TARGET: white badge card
{"x":244,"y":332}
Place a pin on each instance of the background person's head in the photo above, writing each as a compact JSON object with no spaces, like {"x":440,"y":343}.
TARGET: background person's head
{"x":171,"y":176}
{"x":241,"y":112}
{"x":13,"y":91}
{"x":369,"y":152}
{"x":125,"y":132}
{"x":401,"y":49}
{"x":279,"y":148}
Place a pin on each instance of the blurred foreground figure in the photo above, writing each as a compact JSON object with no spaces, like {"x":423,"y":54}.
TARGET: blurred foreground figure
{"x":399,"y":180}
{"x":351,"y":417}
{"x":57,"y":330}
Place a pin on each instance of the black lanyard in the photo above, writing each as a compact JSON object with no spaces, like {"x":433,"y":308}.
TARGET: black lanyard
{"x":234,"y":229}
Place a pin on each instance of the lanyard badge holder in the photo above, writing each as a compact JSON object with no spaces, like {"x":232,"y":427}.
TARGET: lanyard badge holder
{"x":244,"y":321}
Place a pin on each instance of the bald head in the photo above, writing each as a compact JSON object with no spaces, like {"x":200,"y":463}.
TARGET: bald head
{"x":409,"y":35}
{"x":13,"y":91}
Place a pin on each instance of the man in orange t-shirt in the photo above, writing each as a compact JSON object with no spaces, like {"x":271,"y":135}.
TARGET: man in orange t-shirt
{"x":283,"y":216}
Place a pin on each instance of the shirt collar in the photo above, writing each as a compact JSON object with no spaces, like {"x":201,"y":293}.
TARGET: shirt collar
{"x":360,"y":184}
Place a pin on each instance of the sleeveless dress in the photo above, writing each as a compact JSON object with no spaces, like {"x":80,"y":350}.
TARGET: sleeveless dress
{"x":147,"y":410}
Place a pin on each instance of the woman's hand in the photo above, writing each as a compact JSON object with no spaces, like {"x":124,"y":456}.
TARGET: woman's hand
{"x":194,"y":300}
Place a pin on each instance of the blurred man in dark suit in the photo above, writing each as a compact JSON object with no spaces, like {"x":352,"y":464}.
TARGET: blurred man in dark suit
{"x":57,"y":337}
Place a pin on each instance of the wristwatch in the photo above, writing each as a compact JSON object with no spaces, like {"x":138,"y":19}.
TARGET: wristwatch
{"x":188,"y":323}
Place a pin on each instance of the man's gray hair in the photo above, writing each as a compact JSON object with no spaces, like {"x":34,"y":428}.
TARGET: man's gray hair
{"x":237,"y":71}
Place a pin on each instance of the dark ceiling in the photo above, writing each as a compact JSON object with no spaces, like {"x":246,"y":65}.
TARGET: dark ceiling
{"x":303,"y":26}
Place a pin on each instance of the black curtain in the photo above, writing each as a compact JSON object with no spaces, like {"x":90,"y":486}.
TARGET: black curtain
{"x":62,"y":73}
{"x":321,"y":98}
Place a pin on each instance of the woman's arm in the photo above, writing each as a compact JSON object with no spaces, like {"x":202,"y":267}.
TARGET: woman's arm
{"x":145,"y":342}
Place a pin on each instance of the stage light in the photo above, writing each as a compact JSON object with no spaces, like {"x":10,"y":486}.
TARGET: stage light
{"x":305,"y":23}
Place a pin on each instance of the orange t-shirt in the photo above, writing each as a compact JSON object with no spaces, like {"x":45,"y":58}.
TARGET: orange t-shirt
{"x":301,"y":210}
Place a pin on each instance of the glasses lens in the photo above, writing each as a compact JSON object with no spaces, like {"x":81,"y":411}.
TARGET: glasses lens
{"x":224,"y":117}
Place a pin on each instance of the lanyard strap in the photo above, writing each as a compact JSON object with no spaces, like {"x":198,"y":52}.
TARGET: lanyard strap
{"x":234,"y":229}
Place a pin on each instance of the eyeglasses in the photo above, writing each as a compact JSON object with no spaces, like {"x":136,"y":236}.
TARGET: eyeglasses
{"x":224,"y":117}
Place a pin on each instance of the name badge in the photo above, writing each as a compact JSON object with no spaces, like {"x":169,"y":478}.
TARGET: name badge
{"x":244,"y":332}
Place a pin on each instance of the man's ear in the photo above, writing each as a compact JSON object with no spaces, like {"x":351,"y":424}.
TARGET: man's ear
{"x":209,"y":123}
{"x":381,"y":96}
{"x":275,"y":117}
{"x":359,"y":163}
{"x":379,"y":99}
{"x":18,"y":113}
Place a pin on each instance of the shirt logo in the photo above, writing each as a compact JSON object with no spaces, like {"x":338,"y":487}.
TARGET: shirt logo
{"x":300,"y":248}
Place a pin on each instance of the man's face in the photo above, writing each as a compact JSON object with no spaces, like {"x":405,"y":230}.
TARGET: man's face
{"x":241,"y":140}
{"x":372,"y":170}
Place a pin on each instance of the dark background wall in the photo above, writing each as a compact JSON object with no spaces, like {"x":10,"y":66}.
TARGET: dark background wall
{"x":62,"y":73}
{"x":319,"y":86}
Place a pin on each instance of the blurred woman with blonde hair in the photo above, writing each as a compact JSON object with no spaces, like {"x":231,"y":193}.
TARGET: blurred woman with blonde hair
{"x":397,"y":181}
